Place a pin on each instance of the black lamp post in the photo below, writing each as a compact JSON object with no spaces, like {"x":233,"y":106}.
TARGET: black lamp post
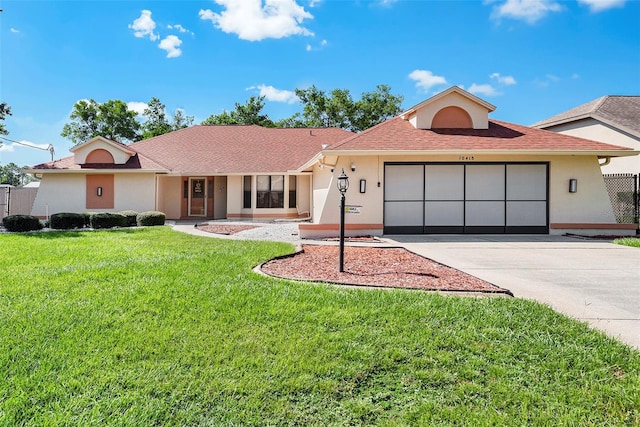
{"x":343,"y":185}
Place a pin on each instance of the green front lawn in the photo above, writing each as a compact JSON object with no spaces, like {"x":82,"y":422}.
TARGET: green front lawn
{"x":628,"y":241}
{"x":154,"y":327}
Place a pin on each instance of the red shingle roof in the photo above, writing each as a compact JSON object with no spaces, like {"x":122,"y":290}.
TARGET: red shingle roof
{"x":399,"y":135}
{"x":237,"y":149}
{"x":226,"y":149}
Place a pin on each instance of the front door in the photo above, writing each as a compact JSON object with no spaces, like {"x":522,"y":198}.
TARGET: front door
{"x":197,"y":197}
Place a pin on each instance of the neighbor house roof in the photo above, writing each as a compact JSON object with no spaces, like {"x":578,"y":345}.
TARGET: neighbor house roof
{"x":399,"y":135}
{"x":205,"y":149}
{"x":622,"y":112}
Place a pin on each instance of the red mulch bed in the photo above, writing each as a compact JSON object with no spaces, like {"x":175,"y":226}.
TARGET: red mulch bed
{"x":374,"y":266}
{"x":225,"y":229}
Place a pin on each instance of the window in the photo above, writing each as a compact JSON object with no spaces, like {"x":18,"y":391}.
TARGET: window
{"x":246,"y":191}
{"x":292,"y":191}
{"x":270,"y":191}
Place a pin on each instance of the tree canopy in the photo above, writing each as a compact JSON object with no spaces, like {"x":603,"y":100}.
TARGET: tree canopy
{"x":319,"y":109}
{"x":338,"y":109}
{"x":111,"y":119}
{"x":5,"y":111}
{"x":156,"y":120}
{"x":249,"y":113}
{"x":15,"y":175}
{"x":114,"y":120}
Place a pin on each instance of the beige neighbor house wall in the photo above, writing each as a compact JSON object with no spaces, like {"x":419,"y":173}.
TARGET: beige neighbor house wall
{"x":595,"y":130}
{"x":61,"y":192}
{"x":589,"y":205}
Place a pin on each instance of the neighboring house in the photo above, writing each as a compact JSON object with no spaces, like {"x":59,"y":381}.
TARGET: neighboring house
{"x":610,"y":119}
{"x":440,"y":167}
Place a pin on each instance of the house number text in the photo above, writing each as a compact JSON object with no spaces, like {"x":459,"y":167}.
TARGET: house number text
{"x":466,"y":158}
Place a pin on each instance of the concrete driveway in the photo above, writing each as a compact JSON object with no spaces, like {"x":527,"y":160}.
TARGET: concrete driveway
{"x":590,"y":280}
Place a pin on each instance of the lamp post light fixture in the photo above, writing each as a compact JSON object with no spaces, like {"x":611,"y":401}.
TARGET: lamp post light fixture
{"x":343,"y":185}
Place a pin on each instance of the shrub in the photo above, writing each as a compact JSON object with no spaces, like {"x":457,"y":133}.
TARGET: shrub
{"x":67,"y":220}
{"x":108,"y":220}
{"x":87,"y":218}
{"x":151,"y":218}
{"x":17,"y":223}
{"x":131,"y":218}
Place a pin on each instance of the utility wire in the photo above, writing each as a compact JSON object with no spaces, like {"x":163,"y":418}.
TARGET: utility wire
{"x":50,"y":148}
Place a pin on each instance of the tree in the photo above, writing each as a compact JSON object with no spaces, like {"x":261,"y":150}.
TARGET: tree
{"x":12,"y":174}
{"x":376,"y":107}
{"x":156,"y":123}
{"x":111,"y":119}
{"x":5,"y":110}
{"x":340,"y":110}
{"x":247,"y":114}
{"x":180,"y":121}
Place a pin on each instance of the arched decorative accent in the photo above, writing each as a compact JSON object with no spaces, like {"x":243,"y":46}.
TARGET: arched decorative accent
{"x":452,"y":117}
{"x":100,"y":156}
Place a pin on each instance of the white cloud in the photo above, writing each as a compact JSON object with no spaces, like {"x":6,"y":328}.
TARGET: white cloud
{"x":529,"y":11}
{"x":309,"y":48}
{"x":505,"y":80}
{"x":600,"y":5}
{"x":277,"y":95}
{"x":137,"y":106}
{"x":144,"y":26}
{"x":426,"y":80}
{"x":254,"y":21}
{"x":172,"y":45}
{"x":13,"y":30}
{"x":485,"y":90}
{"x":180,"y":28}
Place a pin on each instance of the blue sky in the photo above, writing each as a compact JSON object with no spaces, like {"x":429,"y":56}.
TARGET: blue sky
{"x":530,"y":58}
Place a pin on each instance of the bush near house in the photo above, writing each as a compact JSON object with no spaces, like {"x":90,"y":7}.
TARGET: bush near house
{"x":131,"y":218}
{"x":18,"y":223}
{"x":67,"y":221}
{"x":87,"y":218}
{"x":151,"y":218}
{"x":108,"y":220}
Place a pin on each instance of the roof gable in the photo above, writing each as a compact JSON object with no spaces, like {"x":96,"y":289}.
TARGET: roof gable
{"x":119,"y":152}
{"x":453,"y":101}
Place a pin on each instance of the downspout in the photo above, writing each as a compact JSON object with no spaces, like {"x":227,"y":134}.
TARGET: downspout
{"x":607,"y":160}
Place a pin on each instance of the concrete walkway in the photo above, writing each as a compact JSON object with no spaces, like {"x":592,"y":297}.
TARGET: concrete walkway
{"x":590,"y":280}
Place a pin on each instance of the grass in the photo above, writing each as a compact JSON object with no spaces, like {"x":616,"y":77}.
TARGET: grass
{"x":628,"y":241}
{"x":155,"y":327}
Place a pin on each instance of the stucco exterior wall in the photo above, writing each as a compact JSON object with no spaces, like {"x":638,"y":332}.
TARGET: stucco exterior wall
{"x":234,"y":195}
{"x":170,"y":196}
{"x":598,"y":131}
{"x":67,"y":193}
{"x":304,"y":191}
{"x":60,"y":193}
{"x":479,"y":114}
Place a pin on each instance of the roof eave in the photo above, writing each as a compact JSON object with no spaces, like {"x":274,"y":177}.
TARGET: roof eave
{"x":599,"y":153}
